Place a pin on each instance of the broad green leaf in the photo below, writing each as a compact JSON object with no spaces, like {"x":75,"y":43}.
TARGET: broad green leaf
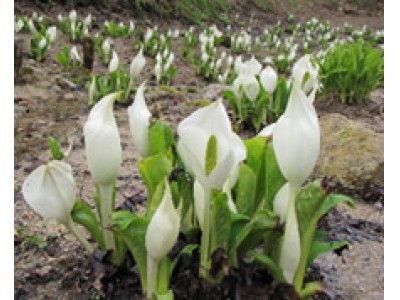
{"x":132,"y":229}
{"x":311,"y":203}
{"x":274,"y":178}
{"x":83,"y":214}
{"x":211,"y":158}
{"x":246,"y":190}
{"x":256,"y":161}
{"x":253,"y":234}
{"x":161,"y":138}
{"x":154,"y":169}
{"x":319,"y":247}
{"x":221,"y":220}
{"x":272,"y":267}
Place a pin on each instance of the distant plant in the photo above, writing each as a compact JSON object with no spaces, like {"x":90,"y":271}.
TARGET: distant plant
{"x":351,"y":71}
{"x":113,"y":29}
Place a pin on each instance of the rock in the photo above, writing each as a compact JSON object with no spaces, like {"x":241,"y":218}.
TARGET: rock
{"x":350,"y":152}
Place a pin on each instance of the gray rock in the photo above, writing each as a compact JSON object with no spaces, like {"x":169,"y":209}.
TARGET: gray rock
{"x":350,"y":152}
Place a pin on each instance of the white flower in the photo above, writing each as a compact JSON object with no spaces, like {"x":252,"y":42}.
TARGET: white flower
{"x":163,"y":228}
{"x":139,"y":122}
{"x":72,"y":16}
{"x":248,"y":84}
{"x":32,"y":27}
{"x":102,"y":141}
{"x":137,"y":64}
{"x":114,"y":62}
{"x":268,"y":79}
{"x":42,"y":43}
{"x":51,"y":32}
{"x":74,"y":55}
{"x":195,"y":132}
{"x":51,"y":190}
{"x":302,"y":67}
{"x":18,"y":25}
{"x":88,"y":20}
{"x":106,"y":46}
{"x":296,"y":138}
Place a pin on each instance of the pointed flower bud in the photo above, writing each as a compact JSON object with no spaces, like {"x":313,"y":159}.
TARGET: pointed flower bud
{"x":296,"y":138}
{"x":51,"y":32}
{"x":137,"y":64}
{"x":114,"y":62}
{"x":139,"y":121}
{"x":51,"y":190}
{"x":163,"y":229}
{"x":268,"y":79}
{"x":102,"y":141}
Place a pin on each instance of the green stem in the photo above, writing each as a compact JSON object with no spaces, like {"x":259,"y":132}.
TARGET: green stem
{"x":128,"y":90}
{"x":205,"y":236}
{"x":78,"y":234}
{"x":152,"y":270}
{"x":106,"y":209}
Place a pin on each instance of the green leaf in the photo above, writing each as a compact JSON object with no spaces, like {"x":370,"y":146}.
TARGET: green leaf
{"x":161,"y":138}
{"x":154,"y":169}
{"x":132,"y":229}
{"x":211,"y":158}
{"x":272,"y":267}
{"x":311,"y":203}
{"x":221,"y":220}
{"x":319,"y":247}
{"x":261,"y":224}
{"x":154,"y":202}
{"x":274,"y":178}
{"x":55,"y":149}
{"x":83,"y":214}
{"x":256,"y":161}
{"x":246,"y":190}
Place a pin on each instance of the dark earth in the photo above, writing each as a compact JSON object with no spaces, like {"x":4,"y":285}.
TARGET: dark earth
{"x":49,"y":262}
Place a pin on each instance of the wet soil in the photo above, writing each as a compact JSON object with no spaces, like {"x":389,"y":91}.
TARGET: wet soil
{"x":50,"y":264}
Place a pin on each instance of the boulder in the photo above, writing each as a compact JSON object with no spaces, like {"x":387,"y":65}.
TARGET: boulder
{"x":350,"y":152}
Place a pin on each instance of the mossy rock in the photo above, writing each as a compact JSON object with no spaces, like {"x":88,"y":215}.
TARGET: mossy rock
{"x":351,"y":153}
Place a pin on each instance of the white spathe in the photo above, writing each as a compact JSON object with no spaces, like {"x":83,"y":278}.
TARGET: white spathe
{"x":248,"y":84}
{"x":296,"y":138}
{"x":139,"y":121}
{"x":300,"y":68}
{"x":268,"y":79}
{"x":163,"y":228}
{"x":194,"y":133}
{"x":51,"y":32}
{"x":51,"y":190}
{"x":74,"y":55}
{"x":114,"y":62}
{"x":137,"y":64}
{"x":102,"y":141}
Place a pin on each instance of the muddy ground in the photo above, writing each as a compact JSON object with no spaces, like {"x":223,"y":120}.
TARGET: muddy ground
{"x":50,"y":264}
